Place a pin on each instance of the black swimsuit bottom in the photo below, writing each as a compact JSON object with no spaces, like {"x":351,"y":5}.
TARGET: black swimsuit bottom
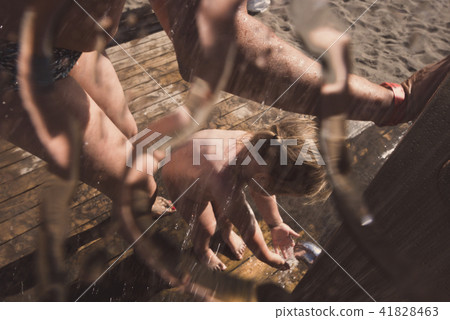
{"x":63,"y":61}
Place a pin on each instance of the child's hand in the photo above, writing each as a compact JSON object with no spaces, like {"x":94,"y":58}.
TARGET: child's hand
{"x":282,"y":238}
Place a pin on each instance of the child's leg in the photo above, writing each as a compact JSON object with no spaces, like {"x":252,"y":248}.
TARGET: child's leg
{"x":202,"y":215}
{"x":233,"y":241}
{"x":247,"y":225}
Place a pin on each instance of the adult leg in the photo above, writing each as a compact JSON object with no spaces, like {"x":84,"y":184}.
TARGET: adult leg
{"x":102,"y":165}
{"x":103,"y":155}
{"x":96,"y":75}
{"x":266,"y":66}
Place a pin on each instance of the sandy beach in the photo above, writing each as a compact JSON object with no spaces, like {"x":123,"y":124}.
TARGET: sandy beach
{"x":390,"y":41}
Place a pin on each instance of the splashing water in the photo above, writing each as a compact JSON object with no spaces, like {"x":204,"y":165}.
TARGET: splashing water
{"x":291,"y":260}
{"x":188,"y":236}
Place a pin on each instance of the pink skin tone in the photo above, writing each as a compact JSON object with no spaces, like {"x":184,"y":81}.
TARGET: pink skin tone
{"x":217,"y":199}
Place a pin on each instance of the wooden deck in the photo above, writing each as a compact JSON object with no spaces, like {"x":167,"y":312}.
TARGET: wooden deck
{"x":23,"y":175}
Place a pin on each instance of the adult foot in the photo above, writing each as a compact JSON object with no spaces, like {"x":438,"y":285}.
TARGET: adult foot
{"x":418,"y":90}
{"x":209,"y":258}
{"x":235,"y":243}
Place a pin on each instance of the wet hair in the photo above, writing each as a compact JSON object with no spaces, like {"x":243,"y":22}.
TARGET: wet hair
{"x":307,"y":179}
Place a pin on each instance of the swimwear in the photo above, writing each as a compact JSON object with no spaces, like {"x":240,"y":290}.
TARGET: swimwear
{"x":63,"y":61}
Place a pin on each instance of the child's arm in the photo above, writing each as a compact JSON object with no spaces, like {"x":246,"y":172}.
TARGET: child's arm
{"x":281,"y":233}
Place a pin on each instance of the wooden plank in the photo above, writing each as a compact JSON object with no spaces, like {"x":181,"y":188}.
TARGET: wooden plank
{"x":145,"y":51}
{"x":19,"y":204}
{"x":19,"y":283}
{"x":5,"y":145}
{"x":27,"y":200}
{"x":22,"y":218}
{"x":149,"y":114}
{"x":131,"y":69}
{"x":111,"y":51}
{"x":20,"y":168}
{"x":12,"y":156}
{"x":150,"y":85}
{"x":153,"y":74}
{"x":153,"y":98}
{"x":23,"y":183}
{"x":26,"y":242}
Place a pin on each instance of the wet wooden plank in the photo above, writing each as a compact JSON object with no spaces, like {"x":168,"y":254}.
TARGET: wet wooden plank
{"x":27,"y":220}
{"x":13,"y":225}
{"x":149,"y":54}
{"x":25,"y":243}
{"x":151,"y":74}
{"x":116,"y":54}
{"x":22,"y":184}
{"x":5,"y":145}
{"x":12,"y":156}
{"x":19,"y":168}
{"x":112,"y":51}
{"x":27,"y":200}
{"x":149,"y":86}
{"x":156,"y":99}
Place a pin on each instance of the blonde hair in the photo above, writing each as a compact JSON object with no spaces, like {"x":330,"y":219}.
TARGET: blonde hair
{"x":309,"y":178}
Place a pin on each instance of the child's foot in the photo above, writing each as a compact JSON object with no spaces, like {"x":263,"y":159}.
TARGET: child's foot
{"x":276,"y":261}
{"x":211,"y":260}
{"x":161,"y":206}
{"x":235,"y":243}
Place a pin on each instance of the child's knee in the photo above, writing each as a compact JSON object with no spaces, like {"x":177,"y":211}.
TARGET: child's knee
{"x":210,"y":228}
